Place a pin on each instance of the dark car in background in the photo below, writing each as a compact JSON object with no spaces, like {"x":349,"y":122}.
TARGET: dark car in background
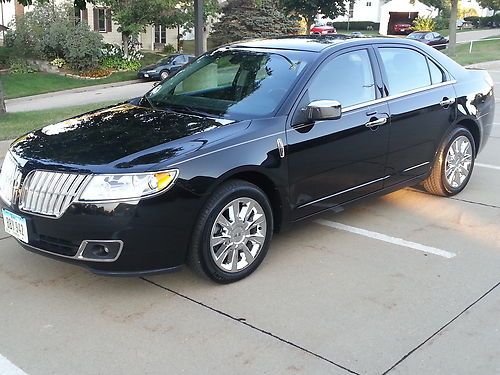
{"x":165,"y":67}
{"x":431,"y":38}
{"x":239,"y":144}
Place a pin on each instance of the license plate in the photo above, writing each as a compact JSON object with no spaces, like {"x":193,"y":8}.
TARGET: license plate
{"x":146,"y":75}
{"x":15,"y":225}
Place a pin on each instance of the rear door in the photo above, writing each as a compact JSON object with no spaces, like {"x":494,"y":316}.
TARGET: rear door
{"x":422,"y":107}
{"x":335,"y":161}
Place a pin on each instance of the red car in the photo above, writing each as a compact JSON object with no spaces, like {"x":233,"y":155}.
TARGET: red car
{"x":323,"y":29}
{"x":401,"y":28}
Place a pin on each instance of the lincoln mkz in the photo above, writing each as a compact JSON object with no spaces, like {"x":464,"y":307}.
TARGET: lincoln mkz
{"x":239,"y":144}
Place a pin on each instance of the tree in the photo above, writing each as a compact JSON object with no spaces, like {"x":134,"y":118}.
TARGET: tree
{"x":491,"y":4}
{"x":182,"y":15}
{"x":309,"y":9}
{"x":245,"y":19}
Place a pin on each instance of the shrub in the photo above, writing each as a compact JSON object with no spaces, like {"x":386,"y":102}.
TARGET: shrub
{"x":58,"y":62}
{"x":169,"y":48}
{"x":82,"y":48}
{"x":113,"y":58}
{"x":441,"y":23}
{"x":20,"y":66}
{"x":424,"y":24}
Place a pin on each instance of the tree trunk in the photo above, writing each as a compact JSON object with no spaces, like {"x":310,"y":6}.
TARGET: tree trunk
{"x":125,"y":39}
{"x":178,"y":38}
{"x":310,"y":22}
{"x":453,"y":28}
{"x":2,"y":100}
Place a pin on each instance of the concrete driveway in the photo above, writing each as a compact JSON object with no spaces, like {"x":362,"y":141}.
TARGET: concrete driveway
{"x":403,"y":284}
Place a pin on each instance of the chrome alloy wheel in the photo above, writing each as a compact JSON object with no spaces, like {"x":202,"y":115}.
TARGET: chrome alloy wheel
{"x":458,"y":161}
{"x":238,"y":234}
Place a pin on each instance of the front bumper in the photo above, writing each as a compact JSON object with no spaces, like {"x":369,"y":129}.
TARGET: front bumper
{"x":154,"y":233}
{"x":148,"y":75}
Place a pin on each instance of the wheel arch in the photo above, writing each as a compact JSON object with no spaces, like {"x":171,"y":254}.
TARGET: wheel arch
{"x":268,"y":186}
{"x":473,"y":128}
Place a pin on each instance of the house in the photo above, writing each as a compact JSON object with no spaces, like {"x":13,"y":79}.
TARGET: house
{"x":388,"y":13}
{"x":99,"y":19}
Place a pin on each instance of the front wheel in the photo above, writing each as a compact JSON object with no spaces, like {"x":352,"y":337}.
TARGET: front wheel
{"x":164,"y":74}
{"x":233,"y":232}
{"x":453,"y":166}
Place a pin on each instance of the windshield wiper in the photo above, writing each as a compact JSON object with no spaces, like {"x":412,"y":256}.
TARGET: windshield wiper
{"x":150,"y":103}
{"x":190,"y":111}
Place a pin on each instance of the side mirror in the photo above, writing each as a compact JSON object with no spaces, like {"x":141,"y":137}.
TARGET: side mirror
{"x":323,"y":110}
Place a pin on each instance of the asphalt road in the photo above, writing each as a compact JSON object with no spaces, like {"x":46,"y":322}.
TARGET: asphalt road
{"x":407,"y":283}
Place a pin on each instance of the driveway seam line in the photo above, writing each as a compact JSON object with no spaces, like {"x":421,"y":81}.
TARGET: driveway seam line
{"x":416,"y":190}
{"x":4,"y":238}
{"x":242,"y":321}
{"x":440,"y":329}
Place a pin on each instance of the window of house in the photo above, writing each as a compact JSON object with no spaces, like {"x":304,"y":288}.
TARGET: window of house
{"x":78,"y":16}
{"x":405,"y":69}
{"x":368,"y":3}
{"x":102,"y":20}
{"x":347,"y":78}
{"x":160,"y":34}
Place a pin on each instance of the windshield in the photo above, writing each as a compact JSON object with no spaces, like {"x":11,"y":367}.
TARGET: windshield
{"x":233,"y":84}
{"x":417,"y":36}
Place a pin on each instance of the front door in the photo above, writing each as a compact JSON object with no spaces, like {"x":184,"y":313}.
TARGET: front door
{"x":335,"y":161}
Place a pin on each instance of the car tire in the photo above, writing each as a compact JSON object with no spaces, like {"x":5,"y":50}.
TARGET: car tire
{"x":164,"y":74}
{"x":453,"y":165}
{"x":227,"y":247}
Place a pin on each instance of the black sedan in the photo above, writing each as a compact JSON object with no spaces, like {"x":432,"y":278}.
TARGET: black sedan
{"x":241,"y":143}
{"x":431,"y":38}
{"x":164,"y":68}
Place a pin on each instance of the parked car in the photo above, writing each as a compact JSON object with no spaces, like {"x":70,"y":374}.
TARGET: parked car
{"x":323,"y":28}
{"x":357,"y":34}
{"x":402,"y":28}
{"x":462,"y":25}
{"x":430,"y":38}
{"x":239,"y":144}
{"x":165,"y":67}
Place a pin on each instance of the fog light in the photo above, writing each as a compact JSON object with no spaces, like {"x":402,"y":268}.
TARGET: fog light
{"x":100,"y":250}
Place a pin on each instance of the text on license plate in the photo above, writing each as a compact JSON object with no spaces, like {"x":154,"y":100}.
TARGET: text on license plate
{"x":15,"y":225}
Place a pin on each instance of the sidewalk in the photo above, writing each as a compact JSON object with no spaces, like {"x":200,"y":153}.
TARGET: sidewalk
{"x":80,"y":96}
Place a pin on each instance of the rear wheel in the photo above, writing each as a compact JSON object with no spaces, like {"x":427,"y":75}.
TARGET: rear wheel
{"x":164,"y":74}
{"x":233,"y":232}
{"x":454,"y":163}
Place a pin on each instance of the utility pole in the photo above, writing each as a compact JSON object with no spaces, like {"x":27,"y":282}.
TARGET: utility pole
{"x":199,"y":29}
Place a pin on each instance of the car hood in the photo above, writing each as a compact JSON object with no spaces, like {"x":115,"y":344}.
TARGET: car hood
{"x":151,"y":67}
{"x":120,"y":137}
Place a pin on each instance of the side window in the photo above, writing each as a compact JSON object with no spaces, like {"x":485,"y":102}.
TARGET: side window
{"x":347,"y":78}
{"x":437,"y":75}
{"x":405,"y":69}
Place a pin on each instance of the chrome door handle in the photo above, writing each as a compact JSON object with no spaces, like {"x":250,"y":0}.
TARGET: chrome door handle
{"x":446,"y":102}
{"x":377,"y":122}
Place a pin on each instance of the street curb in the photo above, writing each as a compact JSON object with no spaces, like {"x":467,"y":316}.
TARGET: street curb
{"x":492,"y":65}
{"x":73,"y":91}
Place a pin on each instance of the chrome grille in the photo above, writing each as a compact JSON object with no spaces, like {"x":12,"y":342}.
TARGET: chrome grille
{"x":50,"y":193}
{"x":10,"y":178}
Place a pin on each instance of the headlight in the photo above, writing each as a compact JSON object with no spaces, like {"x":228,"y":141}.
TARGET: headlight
{"x":117,"y":187}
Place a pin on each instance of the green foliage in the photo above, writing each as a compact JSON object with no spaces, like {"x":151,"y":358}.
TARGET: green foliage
{"x":309,"y":9}
{"x":48,"y":32}
{"x":20,"y":66}
{"x":491,"y":4}
{"x":441,"y":23}
{"x":169,"y":48}
{"x":83,"y":48}
{"x":113,"y":57}
{"x":245,"y":19}
{"x":424,"y":24}
{"x":59,"y":62}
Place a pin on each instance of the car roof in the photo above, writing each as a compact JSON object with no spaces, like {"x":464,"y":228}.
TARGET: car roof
{"x":311,"y":43}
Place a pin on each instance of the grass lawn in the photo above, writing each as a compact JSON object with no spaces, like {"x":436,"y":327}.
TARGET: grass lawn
{"x":16,"y":124}
{"x":17,"y":85}
{"x":481,"y":52}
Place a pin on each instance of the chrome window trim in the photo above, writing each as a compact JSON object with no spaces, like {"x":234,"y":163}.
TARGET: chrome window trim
{"x":344,"y":191}
{"x":78,"y":255}
{"x":398,"y":96}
